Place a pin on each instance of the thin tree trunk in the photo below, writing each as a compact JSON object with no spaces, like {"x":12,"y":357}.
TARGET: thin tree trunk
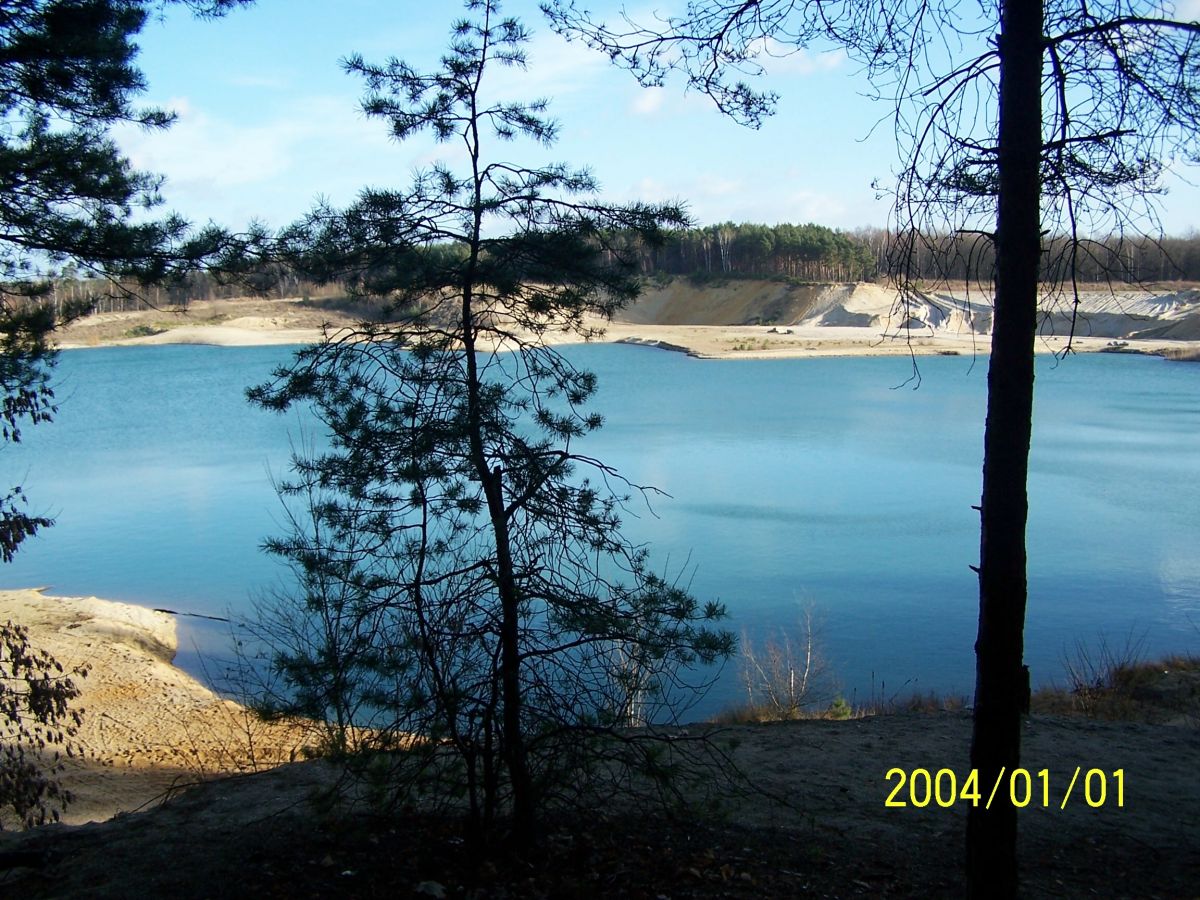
{"x":510,"y":665}
{"x":510,"y":648}
{"x":1001,"y":685}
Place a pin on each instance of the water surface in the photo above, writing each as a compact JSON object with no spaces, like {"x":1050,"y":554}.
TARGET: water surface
{"x":822,"y":482}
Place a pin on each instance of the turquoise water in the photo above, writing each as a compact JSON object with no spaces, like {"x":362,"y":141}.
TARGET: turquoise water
{"x":822,"y":482}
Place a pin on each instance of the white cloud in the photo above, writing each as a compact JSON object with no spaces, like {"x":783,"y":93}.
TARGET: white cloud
{"x":1188,"y":10}
{"x":555,"y":68}
{"x":648,"y":101}
{"x":778,"y":58}
{"x":712,"y":198}
{"x":770,"y":207}
{"x":673,"y":101}
{"x":217,"y":168}
{"x":201,"y":148}
{"x":276,"y":81}
{"x":651,"y":190}
{"x":716,"y":186}
{"x":423,"y":157}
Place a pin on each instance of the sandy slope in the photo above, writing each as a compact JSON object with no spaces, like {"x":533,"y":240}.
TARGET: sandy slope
{"x":147,"y":725}
{"x":240,"y":322}
{"x":734,"y":320}
{"x":756,"y":318}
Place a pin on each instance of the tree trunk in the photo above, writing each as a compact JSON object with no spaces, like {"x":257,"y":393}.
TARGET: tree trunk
{"x":523,"y":811}
{"x":1001,"y":681}
{"x":510,"y":667}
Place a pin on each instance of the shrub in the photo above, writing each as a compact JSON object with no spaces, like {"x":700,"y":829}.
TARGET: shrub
{"x":839,"y":709}
{"x":37,"y":725}
{"x":788,"y":675}
{"x":138,"y":331}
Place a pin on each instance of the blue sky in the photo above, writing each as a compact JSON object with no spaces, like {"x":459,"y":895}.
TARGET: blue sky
{"x":268,"y":121}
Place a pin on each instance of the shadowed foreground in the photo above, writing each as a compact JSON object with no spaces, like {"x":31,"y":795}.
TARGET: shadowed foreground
{"x":149,"y":729}
{"x":258,"y":835}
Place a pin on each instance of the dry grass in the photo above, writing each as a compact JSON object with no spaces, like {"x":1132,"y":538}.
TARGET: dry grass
{"x":929,"y":702}
{"x":1182,"y":354}
{"x":786,"y":679}
{"x":1126,"y":688}
{"x":761,"y":713}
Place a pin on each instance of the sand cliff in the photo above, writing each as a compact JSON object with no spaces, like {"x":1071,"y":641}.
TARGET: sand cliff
{"x":738,"y":319}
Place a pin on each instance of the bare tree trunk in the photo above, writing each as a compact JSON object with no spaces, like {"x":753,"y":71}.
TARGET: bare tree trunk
{"x":1001,"y":685}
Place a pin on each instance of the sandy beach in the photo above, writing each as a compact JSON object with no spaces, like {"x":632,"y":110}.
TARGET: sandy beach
{"x":147,"y":727}
{"x":710,"y":322}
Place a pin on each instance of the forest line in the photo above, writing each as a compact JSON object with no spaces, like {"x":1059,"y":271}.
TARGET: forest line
{"x":801,"y":253}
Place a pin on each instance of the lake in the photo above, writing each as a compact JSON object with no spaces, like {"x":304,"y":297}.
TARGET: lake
{"x":827,"y":483}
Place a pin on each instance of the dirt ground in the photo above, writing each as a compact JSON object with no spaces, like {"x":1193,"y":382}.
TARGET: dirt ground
{"x":169,"y":802}
{"x":832,"y":836}
{"x":234,"y":322}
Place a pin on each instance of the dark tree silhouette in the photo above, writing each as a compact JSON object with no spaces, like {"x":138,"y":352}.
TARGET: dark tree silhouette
{"x":462,"y":573}
{"x":66,"y":200}
{"x":1014,"y":120}
{"x":67,"y":196}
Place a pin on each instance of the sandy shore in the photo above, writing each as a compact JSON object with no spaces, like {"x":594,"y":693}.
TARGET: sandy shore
{"x":803,"y":341}
{"x":237,"y":323}
{"x":222,"y":323}
{"x":148,"y":727}
{"x":706,"y":341}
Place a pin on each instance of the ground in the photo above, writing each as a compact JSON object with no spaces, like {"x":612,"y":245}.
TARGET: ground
{"x":242,"y":321}
{"x":815,"y":825}
{"x":810,"y":818}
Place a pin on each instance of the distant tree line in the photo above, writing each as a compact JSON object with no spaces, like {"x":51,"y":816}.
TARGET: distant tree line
{"x":815,"y":253}
{"x":802,"y":252}
{"x":67,"y":289}
{"x":806,"y":252}
{"x":1119,"y":260}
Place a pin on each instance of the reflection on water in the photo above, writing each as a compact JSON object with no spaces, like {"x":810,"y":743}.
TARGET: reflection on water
{"x":793,"y":482}
{"x":1179,"y":575}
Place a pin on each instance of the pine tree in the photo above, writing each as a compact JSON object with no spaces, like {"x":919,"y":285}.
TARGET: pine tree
{"x":463,"y":574}
{"x":67,"y":196}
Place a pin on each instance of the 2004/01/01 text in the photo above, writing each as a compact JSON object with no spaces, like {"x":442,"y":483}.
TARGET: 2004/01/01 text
{"x":1023,"y":788}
